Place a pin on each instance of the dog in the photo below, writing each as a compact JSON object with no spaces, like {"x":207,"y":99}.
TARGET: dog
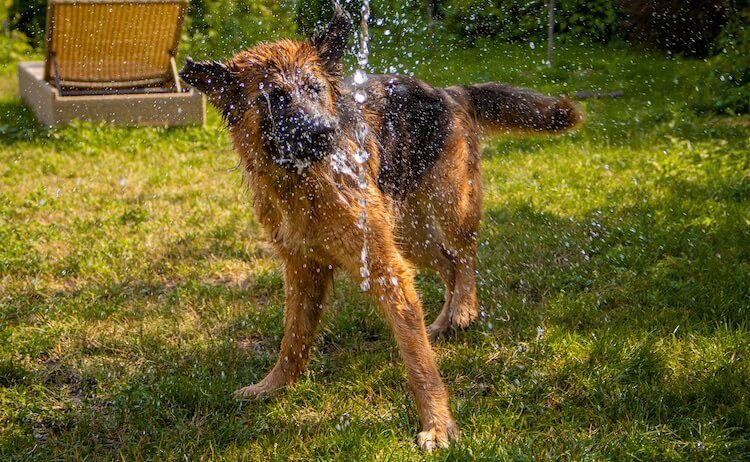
{"x":295,"y":123}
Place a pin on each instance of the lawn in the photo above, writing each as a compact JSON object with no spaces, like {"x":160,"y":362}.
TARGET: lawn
{"x":137,"y":291}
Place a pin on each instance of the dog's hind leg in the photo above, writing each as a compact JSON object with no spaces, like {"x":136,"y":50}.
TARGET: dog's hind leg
{"x":460,"y":307}
{"x":457,"y":180}
{"x":464,"y":301}
{"x":442,"y":262}
{"x":424,"y":247}
{"x":447,"y":271}
{"x":307,"y":282}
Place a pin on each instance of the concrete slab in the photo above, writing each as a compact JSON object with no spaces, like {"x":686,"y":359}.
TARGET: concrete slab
{"x":154,"y":109}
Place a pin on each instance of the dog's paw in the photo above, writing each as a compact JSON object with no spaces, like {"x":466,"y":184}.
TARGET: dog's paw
{"x":464,"y":316}
{"x":438,"y":437}
{"x":437,"y":329}
{"x":257,"y":391}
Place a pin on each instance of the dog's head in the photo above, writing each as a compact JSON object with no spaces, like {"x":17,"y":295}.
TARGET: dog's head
{"x":288,"y":90}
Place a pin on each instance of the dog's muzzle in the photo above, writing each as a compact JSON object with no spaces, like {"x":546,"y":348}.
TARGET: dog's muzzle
{"x":305,"y":138}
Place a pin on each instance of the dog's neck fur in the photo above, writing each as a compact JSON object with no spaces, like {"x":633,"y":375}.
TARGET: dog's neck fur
{"x":309,"y":190}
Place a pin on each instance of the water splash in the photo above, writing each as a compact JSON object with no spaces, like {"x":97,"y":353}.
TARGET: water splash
{"x":361,"y":156}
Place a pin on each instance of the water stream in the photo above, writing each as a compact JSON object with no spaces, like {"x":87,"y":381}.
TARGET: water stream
{"x":361,"y":155}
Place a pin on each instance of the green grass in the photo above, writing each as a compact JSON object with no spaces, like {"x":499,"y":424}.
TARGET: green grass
{"x":137,"y":290}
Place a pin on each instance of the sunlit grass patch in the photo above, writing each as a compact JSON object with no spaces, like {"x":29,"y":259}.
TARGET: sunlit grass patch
{"x":137,"y":290}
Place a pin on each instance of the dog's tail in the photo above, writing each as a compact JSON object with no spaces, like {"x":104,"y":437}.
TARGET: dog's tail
{"x":501,"y":108}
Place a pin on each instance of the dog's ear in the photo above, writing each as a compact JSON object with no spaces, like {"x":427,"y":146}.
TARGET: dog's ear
{"x":218,"y":83}
{"x":331,"y":41}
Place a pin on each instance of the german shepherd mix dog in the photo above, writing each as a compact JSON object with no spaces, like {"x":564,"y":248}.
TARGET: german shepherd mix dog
{"x":291,"y":115}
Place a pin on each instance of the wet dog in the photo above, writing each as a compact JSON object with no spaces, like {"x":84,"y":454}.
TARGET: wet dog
{"x":297,"y":128}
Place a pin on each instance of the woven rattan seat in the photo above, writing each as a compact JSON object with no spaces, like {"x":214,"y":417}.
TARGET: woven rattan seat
{"x":113,"y":44}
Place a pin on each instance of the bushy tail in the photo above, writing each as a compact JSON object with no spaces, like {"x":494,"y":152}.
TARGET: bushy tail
{"x":502,"y":108}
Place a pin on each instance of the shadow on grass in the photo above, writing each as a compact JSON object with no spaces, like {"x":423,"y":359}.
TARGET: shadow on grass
{"x":18,"y":124}
{"x":647,"y":266}
{"x":628,"y":278}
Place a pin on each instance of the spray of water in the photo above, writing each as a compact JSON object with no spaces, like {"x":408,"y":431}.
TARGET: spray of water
{"x":361,"y":155}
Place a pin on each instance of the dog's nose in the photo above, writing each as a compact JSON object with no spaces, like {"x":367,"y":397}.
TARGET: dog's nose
{"x":311,"y":127}
{"x":320,"y":128}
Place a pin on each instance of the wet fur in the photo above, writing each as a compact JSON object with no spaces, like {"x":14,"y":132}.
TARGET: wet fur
{"x":423,"y":197}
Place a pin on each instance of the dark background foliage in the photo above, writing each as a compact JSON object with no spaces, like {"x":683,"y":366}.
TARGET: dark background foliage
{"x":714,"y":29}
{"x":223,"y":27}
{"x":592,"y":20}
{"x":728,"y":85}
{"x":312,"y":14}
{"x":689,"y":27}
{"x":28,"y":17}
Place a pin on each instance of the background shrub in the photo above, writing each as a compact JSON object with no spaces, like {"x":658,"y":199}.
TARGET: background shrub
{"x":222,"y":27}
{"x":700,"y":28}
{"x":29,"y":18}
{"x":523,"y":20}
{"x":13,"y":48}
{"x":512,"y":20}
{"x":593,"y":20}
{"x":689,"y":27}
{"x":726,"y":89}
{"x":311,"y":14}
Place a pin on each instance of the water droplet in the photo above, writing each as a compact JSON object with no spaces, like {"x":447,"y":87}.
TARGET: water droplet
{"x":360,"y":77}
{"x":361,"y":156}
{"x":360,"y":133}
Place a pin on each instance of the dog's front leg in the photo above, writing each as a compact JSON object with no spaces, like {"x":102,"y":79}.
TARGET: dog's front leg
{"x":307,"y":283}
{"x":393,"y":286}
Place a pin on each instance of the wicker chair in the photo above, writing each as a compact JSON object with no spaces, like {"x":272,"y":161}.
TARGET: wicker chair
{"x":111,"y":60}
